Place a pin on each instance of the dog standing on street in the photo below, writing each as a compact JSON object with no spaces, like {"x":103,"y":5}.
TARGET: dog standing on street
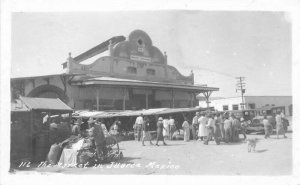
{"x":251,"y":143}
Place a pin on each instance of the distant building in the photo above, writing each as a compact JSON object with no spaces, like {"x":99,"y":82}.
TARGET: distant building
{"x":251,"y":102}
{"x":134,"y":75}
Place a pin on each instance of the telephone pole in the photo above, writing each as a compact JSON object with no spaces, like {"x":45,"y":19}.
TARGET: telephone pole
{"x":240,"y":86}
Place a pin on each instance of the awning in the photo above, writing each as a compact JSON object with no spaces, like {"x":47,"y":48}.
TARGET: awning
{"x":139,"y":83}
{"x":133,"y":113}
{"x":50,"y":104}
{"x":18,"y":106}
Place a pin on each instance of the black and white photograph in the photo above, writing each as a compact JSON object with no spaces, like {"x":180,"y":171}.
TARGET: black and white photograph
{"x":161,"y":92}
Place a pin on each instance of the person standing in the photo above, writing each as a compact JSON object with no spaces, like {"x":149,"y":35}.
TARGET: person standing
{"x":160,"y":127}
{"x":172,"y":127}
{"x":166,"y":128}
{"x":195,"y":125}
{"x":268,"y":127}
{"x":138,"y":126}
{"x":146,"y":129}
{"x":76,"y":127}
{"x":98,"y":136}
{"x":228,"y":129}
{"x":279,"y":126}
{"x":186,"y":130}
{"x":236,"y":125}
{"x":243,"y":127}
{"x":202,"y":127}
{"x":211,"y":130}
{"x":218,"y":121}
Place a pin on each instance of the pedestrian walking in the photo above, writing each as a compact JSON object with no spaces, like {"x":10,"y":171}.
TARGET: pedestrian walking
{"x":160,"y":127}
{"x":186,"y":129}
{"x":267,"y":127}
{"x":279,"y":126}
{"x":203,"y":132}
{"x":138,"y":126}
{"x":145,"y":131}
{"x":172,"y":127}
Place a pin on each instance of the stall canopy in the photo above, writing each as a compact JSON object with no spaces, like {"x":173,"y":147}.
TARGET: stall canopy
{"x":28,"y":103}
{"x":148,"y":112}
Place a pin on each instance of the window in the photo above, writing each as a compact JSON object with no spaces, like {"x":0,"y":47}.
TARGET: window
{"x":131,"y":70}
{"x":151,"y":72}
{"x":225,"y":107}
{"x":235,"y":107}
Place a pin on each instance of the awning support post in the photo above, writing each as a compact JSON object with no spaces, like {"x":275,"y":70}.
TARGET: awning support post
{"x":207,"y":95}
{"x":146,"y":96}
{"x":173,"y":99}
{"x":124,"y":99}
{"x":97,"y":98}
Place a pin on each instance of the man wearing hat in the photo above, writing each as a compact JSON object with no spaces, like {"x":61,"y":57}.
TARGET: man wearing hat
{"x":160,"y":127}
{"x":98,"y":135}
{"x":195,"y":125}
{"x":138,"y":126}
{"x":76,"y":127}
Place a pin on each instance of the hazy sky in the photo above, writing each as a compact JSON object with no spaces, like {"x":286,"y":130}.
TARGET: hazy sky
{"x":217,"y":45}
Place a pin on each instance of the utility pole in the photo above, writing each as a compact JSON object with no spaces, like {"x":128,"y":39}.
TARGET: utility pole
{"x":240,"y":86}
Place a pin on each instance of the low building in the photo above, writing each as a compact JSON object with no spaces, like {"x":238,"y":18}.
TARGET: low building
{"x":134,"y":75}
{"x":251,"y":102}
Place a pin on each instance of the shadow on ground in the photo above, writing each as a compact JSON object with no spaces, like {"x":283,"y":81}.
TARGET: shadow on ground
{"x":261,"y":151}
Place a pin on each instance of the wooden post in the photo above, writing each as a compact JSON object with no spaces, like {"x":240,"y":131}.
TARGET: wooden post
{"x":31,"y":135}
{"x":124,"y":99}
{"x":207,"y":95}
{"x":173,"y":99}
{"x":192,"y":100}
{"x":97,"y":98}
{"x":146,"y":95}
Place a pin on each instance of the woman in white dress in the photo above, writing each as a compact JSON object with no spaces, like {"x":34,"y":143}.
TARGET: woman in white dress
{"x":186,"y":130}
{"x":203,"y":132}
{"x":166,"y":130}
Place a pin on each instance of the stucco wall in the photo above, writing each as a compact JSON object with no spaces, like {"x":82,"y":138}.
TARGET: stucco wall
{"x":259,"y":101}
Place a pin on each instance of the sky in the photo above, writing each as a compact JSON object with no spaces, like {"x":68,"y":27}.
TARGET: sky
{"x":217,"y":45}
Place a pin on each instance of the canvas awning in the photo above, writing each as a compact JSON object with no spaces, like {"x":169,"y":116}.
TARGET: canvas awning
{"x":133,"y":113}
{"x":49,"y":104}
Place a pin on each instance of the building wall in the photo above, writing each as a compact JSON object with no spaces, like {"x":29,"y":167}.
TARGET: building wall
{"x":137,"y":52}
{"x":258,"y":101}
{"x":132,"y":53}
{"x":218,"y":104}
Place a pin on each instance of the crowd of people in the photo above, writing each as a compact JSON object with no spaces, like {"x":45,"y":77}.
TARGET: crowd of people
{"x":205,"y":127}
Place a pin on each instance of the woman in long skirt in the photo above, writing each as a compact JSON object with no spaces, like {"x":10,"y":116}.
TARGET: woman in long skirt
{"x":166,"y":128}
{"x":186,"y":129}
{"x":218,"y":122}
{"x":203,"y":132}
{"x":160,"y":127}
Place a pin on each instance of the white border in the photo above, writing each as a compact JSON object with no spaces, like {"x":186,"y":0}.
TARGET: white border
{"x":7,"y":7}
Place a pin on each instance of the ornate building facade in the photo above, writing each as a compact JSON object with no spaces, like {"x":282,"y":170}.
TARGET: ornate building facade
{"x":134,"y":75}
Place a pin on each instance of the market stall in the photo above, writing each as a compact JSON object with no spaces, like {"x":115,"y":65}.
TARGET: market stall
{"x":31,"y":122}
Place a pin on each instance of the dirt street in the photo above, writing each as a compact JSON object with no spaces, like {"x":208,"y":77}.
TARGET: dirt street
{"x":272,"y":157}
